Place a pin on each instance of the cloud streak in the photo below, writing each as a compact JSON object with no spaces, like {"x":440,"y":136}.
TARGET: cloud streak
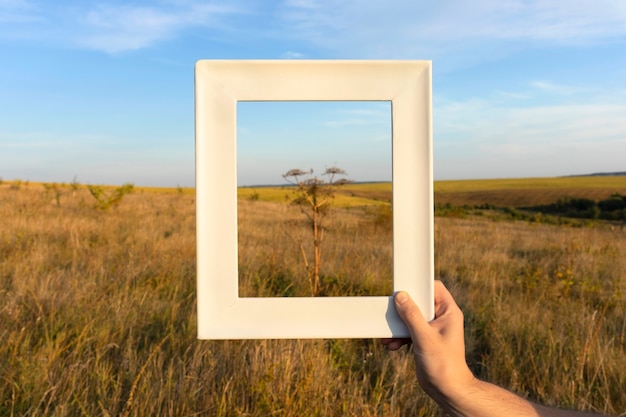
{"x":118,"y":28}
{"x":435,"y":29}
{"x":402,"y":29}
{"x":491,"y":139}
{"x":112,"y":27}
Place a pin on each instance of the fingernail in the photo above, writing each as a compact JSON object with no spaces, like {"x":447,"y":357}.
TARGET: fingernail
{"x":401,"y":297}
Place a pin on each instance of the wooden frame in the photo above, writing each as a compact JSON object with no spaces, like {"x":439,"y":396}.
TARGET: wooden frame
{"x":219,"y":85}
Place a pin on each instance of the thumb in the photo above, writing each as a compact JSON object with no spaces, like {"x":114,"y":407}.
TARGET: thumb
{"x":410,"y":314}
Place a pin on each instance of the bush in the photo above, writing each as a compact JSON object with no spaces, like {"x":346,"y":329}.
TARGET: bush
{"x":104,"y":200}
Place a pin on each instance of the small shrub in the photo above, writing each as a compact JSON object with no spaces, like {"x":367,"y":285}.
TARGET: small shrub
{"x":104,"y":200}
{"x":56,"y":190}
{"x":16,"y":184}
{"x":74,"y":185}
{"x":449,"y":210}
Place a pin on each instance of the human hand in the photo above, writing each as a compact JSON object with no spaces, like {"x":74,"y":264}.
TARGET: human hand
{"x":438,"y":346}
{"x":439,"y":353}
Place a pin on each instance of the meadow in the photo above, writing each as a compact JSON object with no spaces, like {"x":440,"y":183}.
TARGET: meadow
{"x":98,"y":307}
{"x":527,"y":192}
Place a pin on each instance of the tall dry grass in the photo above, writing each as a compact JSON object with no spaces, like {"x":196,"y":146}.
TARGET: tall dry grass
{"x":545,"y":307}
{"x":276,"y":245}
{"x":98,"y":314}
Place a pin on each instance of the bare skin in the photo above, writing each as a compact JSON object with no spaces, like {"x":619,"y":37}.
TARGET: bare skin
{"x":439,"y":353}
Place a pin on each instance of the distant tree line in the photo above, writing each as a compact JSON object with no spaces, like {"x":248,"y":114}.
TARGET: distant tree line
{"x":572,"y":208}
{"x":612,"y":208}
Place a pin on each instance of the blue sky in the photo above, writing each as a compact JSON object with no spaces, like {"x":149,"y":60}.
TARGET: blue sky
{"x":354,"y":136}
{"x":103,"y":91}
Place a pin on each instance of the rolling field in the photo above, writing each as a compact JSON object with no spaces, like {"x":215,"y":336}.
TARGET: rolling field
{"x":523,"y":192}
{"x":526,"y":192}
{"x":98,"y":306}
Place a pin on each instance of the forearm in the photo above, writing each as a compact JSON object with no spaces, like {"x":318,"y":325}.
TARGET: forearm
{"x":441,"y":368}
{"x":482,"y":399}
{"x":543,"y":411}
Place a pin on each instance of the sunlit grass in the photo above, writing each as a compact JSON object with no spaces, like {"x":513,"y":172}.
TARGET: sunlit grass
{"x":527,"y":192}
{"x":455,"y":186}
{"x":349,"y":195}
{"x":99,"y":318}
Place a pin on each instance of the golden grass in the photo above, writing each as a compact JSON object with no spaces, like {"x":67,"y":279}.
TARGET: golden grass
{"x":270,"y":257}
{"x":277,"y":194}
{"x":454,"y":186}
{"x":166,"y":190}
{"x":545,"y":307}
{"x":526,"y":192}
{"x":98,"y":313}
{"x":522,"y":192}
{"x":350,"y":195}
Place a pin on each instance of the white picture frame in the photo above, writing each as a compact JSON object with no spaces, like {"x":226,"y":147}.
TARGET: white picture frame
{"x":219,"y":85}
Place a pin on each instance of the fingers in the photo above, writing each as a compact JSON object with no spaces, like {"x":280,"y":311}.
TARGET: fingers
{"x":447,"y":311}
{"x":410,"y":313}
{"x":395,"y":344}
{"x":443,"y":298}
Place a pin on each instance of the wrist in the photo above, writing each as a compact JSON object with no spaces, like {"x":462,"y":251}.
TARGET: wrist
{"x":455,"y":395}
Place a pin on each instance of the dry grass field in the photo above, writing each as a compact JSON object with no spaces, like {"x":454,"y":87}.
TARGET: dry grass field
{"x":97,"y":311}
{"x":525,"y":192}
{"x":271,"y":261}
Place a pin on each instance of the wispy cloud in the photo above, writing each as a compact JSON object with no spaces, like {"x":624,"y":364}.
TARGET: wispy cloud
{"x":293,"y":55}
{"x":560,"y":89}
{"x":406,"y":27}
{"x":117,"y":28}
{"x":486,"y":137}
{"x":17,"y":18}
{"x":360,"y":117}
{"x":112,"y":27}
{"x":491,"y":121}
{"x":349,"y":122}
{"x":16,"y":11}
{"x":351,"y":28}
